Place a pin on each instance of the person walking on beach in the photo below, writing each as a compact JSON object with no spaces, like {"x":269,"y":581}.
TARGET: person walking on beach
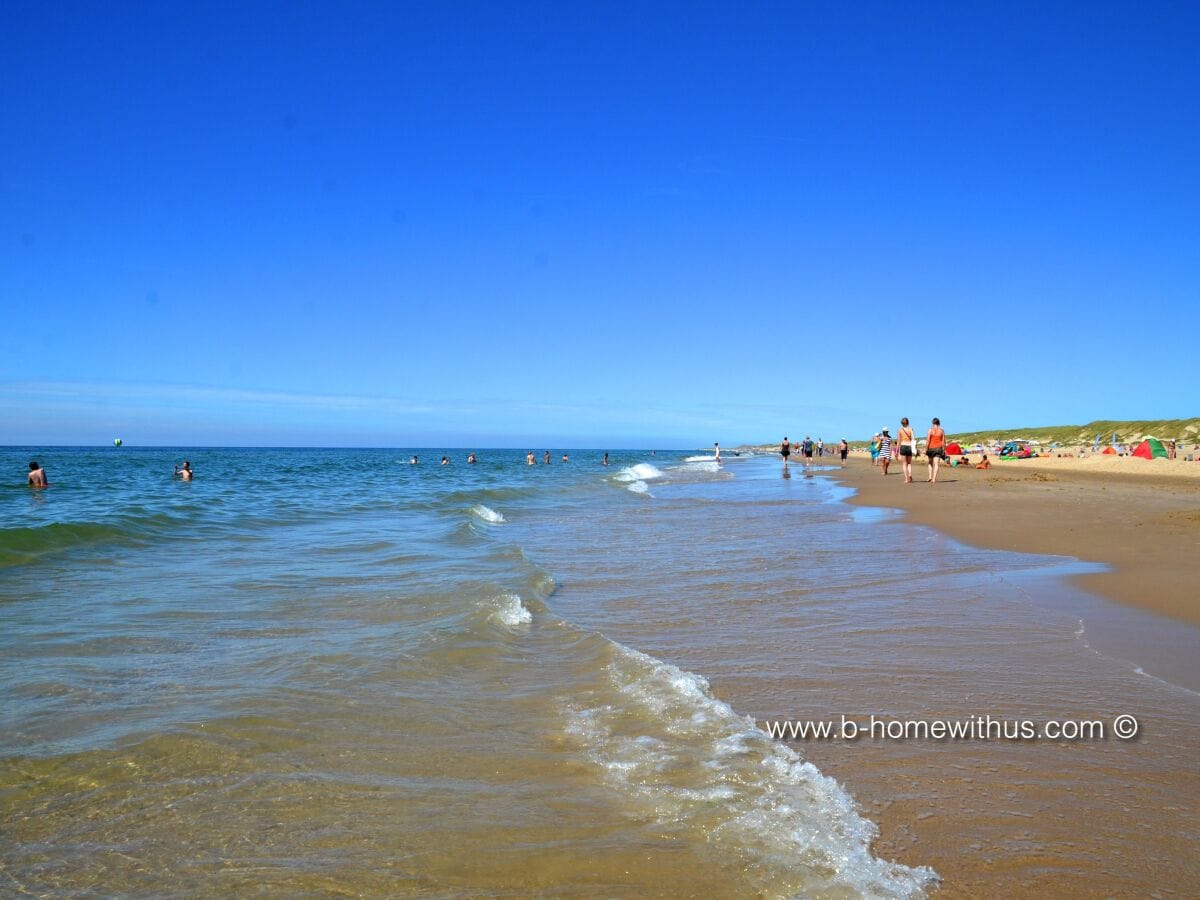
{"x":37,"y":475}
{"x":885,"y":450}
{"x":785,"y":450}
{"x":935,"y":448}
{"x":820,"y":447}
{"x":184,"y":471}
{"x":873,"y":449}
{"x":844,"y":451}
{"x":807,"y":447}
{"x":908,"y":447}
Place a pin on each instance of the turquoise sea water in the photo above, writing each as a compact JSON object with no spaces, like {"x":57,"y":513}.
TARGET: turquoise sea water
{"x":331,"y":671}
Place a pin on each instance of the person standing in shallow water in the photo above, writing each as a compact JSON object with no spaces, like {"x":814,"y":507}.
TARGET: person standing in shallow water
{"x":785,"y":450}
{"x":717,"y":452}
{"x":184,"y":471}
{"x":604,"y":462}
{"x":37,"y":475}
{"x":530,"y":459}
{"x":547,"y":459}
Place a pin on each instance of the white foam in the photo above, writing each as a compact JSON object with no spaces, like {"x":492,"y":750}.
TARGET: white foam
{"x":639,"y":472}
{"x":510,"y":611}
{"x":688,"y":760}
{"x":709,"y":466}
{"x":706,"y":458}
{"x":487,"y":514}
{"x":638,"y":487}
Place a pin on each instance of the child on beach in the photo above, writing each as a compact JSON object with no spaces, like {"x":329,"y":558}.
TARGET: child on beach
{"x":885,"y":450}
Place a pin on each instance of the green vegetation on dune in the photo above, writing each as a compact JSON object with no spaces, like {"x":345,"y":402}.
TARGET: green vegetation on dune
{"x":1183,"y":430}
{"x":1166,"y":429}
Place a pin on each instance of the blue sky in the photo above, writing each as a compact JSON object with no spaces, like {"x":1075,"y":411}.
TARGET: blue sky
{"x":436,"y":224}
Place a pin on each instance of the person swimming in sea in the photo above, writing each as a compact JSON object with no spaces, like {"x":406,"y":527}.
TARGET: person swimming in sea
{"x":445,"y":460}
{"x":413,"y":461}
{"x":566,"y":458}
{"x":37,"y":475}
{"x":604,"y":462}
{"x":184,"y":471}
{"x":547,"y":459}
{"x":530,"y":459}
{"x":471,"y":458}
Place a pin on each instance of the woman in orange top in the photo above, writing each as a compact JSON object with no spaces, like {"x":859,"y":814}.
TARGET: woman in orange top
{"x":935,"y":446}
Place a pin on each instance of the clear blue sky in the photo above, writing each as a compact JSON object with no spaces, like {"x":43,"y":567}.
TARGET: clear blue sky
{"x":641,"y":224}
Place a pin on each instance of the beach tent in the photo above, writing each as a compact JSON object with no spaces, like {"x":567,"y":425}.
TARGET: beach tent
{"x":954,"y":449}
{"x":1150,"y":448}
{"x":1109,"y":451}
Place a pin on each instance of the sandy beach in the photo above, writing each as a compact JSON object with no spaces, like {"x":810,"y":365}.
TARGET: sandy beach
{"x":1139,"y":517}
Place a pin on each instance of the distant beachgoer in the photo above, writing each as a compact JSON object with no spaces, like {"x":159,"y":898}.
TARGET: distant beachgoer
{"x":873,"y":449}
{"x":445,"y":460}
{"x":885,"y":450}
{"x":785,"y":449}
{"x":547,"y":459}
{"x":604,"y":462}
{"x":907,"y":442}
{"x":37,"y":475}
{"x":820,"y":447}
{"x":807,"y":447}
{"x":471,"y":458}
{"x":935,"y":449}
{"x":184,"y":471}
{"x":984,"y":463}
{"x":413,"y":461}
{"x":566,"y":458}
{"x":717,"y":451}
{"x":844,"y":451}
{"x":530,"y":459}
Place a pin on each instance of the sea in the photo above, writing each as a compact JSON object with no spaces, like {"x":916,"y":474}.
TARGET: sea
{"x":333,"y":672}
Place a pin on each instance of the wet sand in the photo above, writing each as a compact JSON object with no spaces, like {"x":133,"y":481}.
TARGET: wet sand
{"x":1144,"y":525}
{"x":1043,"y":818}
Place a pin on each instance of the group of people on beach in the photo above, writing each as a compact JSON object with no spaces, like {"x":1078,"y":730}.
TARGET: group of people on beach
{"x":884,"y":448}
{"x":808,"y":447}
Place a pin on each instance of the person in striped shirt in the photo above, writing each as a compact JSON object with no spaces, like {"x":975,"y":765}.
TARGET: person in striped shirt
{"x":885,"y":450}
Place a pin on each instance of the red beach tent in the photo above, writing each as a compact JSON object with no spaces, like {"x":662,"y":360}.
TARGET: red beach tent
{"x":1108,"y":451}
{"x":1150,"y":448}
{"x":953,"y":449}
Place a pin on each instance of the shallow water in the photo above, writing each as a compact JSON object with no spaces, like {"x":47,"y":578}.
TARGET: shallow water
{"x":331,"y":671}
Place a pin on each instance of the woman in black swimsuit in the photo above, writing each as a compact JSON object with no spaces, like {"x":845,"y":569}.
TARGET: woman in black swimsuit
{"x":785,"y":450}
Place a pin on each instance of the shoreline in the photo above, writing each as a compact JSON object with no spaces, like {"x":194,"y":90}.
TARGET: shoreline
{"x":1144,"y":529}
